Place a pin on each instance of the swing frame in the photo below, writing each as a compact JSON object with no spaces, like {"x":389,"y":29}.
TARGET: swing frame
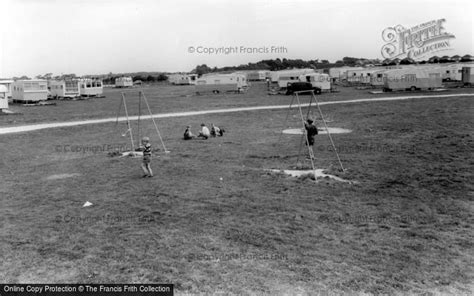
{"x":304,"y":136}
{"x":123,"y":102}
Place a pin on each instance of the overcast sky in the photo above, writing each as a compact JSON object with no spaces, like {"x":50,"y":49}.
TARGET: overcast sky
{"x":102,"y":36}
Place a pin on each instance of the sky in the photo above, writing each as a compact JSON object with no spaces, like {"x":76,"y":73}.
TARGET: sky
{"x":103,"y":36}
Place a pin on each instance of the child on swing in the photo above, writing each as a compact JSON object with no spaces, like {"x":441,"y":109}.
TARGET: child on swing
{"x":146,"y":164}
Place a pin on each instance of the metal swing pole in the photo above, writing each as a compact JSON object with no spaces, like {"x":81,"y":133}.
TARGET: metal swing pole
{"x":118,"y":112}
{"x":128,"y":121}
{"x":139,"y":113}
{"x":302,"y":137}
{"x":329,"y":134}
{"x":286,"y":119}
{"x":154,"y":123}
{"x":306,"y":137}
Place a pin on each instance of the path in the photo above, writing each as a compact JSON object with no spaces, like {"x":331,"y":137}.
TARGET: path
{"x":28,"y":128}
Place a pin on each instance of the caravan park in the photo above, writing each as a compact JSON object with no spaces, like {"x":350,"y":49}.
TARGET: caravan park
{"x":170,"y":160}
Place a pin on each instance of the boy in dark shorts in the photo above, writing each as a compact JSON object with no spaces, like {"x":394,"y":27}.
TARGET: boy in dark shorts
{"x":146,"y":164}
{"x":188,"y":135}
{"x":311,"y":131}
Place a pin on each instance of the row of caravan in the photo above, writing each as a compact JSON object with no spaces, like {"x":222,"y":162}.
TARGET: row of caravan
{"x":34,"y":90}
{"x":396,"y":77}
{"x":239,"y":81}
{"x":411,"y":77}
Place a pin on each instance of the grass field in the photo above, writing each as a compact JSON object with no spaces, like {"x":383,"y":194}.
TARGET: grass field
{"x":403,"y":227}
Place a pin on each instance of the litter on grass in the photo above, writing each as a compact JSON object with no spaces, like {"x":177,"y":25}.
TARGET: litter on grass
{"x":332,"y":130}
{"x":319,"y":174}
{"x":87,"y":204}
{"x":62,"y":176}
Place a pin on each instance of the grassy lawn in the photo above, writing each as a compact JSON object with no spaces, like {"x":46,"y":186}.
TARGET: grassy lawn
{"x":168,"y":98}
{"x":404,"y":227}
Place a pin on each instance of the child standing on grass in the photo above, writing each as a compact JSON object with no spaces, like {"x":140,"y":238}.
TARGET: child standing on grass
{"x":146,"y":164}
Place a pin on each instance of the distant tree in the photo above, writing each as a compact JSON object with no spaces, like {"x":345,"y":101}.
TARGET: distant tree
{"x":466,"y":58}
{"x":349,"y":61}
{"x":162,"y":77}
{"x":407,"y":61}
{"x":150,"y":78}
{"x":324,"y":62}
{"x":202,"y":69}
{"x":138,"y":77}
{"x":445,"y":59}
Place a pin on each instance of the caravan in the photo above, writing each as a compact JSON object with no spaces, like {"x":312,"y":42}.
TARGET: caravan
{"x":468,"y":75}
{"x":3,"y":97}
{"x":30,"y":90}
{"x":125,"y":81}
{"x":283,"y":78}
{"x":340,"y":73}
{"x":90,"y":87}
{"x":9,"y":85}
{"x":64,"y":88}
{"x":361,"y":76}
{"x":411,"y":79}
{"x":218,"y":83}
{"x":178,"y":79}
{"x":259,"y":75}
{"x":182,"y":79}
{"x":321,"y":81}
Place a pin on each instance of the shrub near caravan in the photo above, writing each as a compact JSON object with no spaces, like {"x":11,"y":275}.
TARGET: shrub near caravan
{"x":64,"y":88}
{"x":90,"y":87}
{"x":411,"y":79}
{"x":221,"y":83}
{"x":30,"y":90}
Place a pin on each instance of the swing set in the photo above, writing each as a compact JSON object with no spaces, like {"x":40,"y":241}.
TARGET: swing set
{"x":304,"y":138}
{"x":123,"y":103}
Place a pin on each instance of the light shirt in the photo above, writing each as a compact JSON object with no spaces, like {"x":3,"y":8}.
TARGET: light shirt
{"x":205,"y":131}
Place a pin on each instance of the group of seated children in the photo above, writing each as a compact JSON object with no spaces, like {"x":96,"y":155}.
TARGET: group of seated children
{"x":204,"y":133}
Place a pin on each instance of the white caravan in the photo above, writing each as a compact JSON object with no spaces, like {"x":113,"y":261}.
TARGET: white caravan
{"x":9,"y":85}
{"x":411,"y":79}
{"x":90,"y":87}
{"x":125,"y":81}
{"x":323,"y":81}
{"x":283,"y":78}
{"x":218,"y":83}
{"x":3,"y":97}
{"x":30,"y":90}
{"x":64,"y":88}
